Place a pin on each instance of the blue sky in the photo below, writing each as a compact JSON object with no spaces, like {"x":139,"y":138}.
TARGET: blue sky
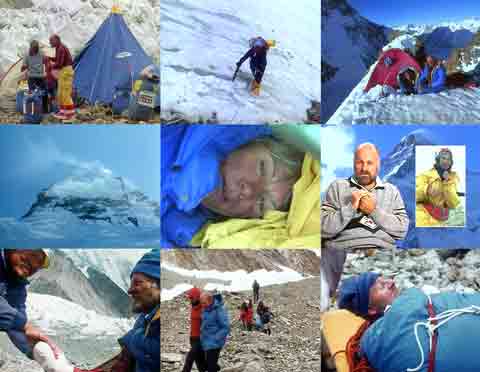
{"x":416,"y":11}
{"x":34,"y":157}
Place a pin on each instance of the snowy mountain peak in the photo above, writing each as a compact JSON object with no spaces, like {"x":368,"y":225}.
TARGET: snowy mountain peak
{"x":96,"y":196}
{"x":401,"y":161}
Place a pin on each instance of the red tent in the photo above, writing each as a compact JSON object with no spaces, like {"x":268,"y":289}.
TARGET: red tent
{"x":387,"y":74}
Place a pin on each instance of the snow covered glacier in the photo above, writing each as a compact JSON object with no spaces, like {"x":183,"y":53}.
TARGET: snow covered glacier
{"x":201,"y":40}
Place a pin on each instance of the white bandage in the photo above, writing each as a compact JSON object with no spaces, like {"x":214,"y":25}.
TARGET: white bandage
{"x":45,"y":357}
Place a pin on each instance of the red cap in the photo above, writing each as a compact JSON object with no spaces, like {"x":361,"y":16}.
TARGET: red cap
{"x":194,"y":293}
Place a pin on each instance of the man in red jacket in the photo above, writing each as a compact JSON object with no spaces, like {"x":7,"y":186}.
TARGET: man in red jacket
{"x":196,"y":353}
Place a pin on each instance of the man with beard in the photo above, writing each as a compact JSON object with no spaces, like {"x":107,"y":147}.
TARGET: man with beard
{"x":436,"y":192}
{"x":141,"y":345}
{"x":363,"y":211}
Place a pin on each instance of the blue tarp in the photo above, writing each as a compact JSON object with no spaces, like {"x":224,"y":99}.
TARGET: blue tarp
{"x":98,"y":71}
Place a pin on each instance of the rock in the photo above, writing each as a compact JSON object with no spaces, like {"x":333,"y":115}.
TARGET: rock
{"x":293,"y":346}
{"x":171,"y":358}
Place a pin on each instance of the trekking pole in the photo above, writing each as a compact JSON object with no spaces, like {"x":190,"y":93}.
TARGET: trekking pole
{"x":235,"y":73}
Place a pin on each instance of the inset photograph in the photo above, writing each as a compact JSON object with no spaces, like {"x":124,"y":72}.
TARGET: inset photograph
{"x":240,"y":186}
{"x":80,"y":62}
{"x":80,"y":310}
{"x":422,"y":305}
{"x":384,"y":66}
{"x":240,"y":311}
{"x":238,"y":61}
{"x":80,"y":187}
{"x":440,"y":186}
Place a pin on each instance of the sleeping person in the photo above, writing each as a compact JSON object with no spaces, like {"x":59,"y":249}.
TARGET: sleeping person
{"x":212,"y":173}
{"x":412,"y":330}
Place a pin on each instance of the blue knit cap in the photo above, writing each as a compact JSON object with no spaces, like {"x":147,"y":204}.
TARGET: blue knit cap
{"x":149,"y":264}
{"x":354,"y":293}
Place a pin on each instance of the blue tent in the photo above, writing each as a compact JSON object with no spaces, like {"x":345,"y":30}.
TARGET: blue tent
{"x":99,"y":71}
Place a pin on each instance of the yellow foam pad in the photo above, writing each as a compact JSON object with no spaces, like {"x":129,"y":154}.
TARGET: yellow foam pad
{"x":338,"y":327}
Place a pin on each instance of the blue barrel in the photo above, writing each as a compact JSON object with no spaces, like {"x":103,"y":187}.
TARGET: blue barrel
{"x":19,"y":100}
{"x":120,"y":101}
{"x":33,"y":108}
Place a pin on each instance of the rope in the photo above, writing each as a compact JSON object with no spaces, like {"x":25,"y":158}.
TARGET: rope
{"x":432,"y":324}
{"x":352,"y":351}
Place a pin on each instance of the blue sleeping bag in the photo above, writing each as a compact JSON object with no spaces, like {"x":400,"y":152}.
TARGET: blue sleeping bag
{"x":190,"y":166}
{"x":390,"y":344}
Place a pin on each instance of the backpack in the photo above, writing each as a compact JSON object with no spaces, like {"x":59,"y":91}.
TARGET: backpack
{"x":265,"y":317}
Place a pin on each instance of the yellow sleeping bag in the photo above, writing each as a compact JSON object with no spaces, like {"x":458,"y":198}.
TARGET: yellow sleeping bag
{"x":298,"y":228}
{"x":338,"y":327}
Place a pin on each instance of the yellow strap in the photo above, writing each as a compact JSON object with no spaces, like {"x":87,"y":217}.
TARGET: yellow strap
{"x":155,"y":317}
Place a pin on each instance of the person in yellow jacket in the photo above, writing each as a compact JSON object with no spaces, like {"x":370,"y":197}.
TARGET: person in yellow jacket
{"x":436,"y":192}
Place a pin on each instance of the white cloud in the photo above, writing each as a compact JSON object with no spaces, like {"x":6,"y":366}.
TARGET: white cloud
{"x":337,"y":152}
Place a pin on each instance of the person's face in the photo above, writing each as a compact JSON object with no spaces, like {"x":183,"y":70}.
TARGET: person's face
{"x":382,"y":293}
{"x":25,"y":263}
{"x":205,"y":299}
{"x":144,"y":293}
{"x":53,"y":42}
{"x":430,"y":61}
{"x":445,"y":161}
{"x":253,"y":183}
{"x":366,"y":164}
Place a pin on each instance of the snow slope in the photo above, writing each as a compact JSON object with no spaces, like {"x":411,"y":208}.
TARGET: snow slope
{"x":201,"y":40}
{"x":350,"y":44}
{"x":55,"y":316}
{"x":240,"y":280}
{"x":93,"y":208}
{"x":459,"y":106}
{"x":117,"y":264}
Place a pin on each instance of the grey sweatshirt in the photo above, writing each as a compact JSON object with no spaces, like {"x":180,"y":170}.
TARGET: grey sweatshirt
{"x":342,"y":226}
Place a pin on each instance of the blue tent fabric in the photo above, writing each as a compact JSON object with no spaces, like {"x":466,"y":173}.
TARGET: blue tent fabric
{"x":98,"y":71}
{"x":190,"y":169}
{"x":390,"y":346}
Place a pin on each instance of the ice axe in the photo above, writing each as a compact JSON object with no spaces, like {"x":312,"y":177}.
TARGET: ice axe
{"x":235,"y":73}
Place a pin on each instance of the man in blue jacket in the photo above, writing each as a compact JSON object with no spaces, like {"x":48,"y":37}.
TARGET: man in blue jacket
{"x":215,"y":328}
{"x":16,"y":265}
{"x":433,"y":77}
{"x":142,"y":343}
{"x":213,"y":172}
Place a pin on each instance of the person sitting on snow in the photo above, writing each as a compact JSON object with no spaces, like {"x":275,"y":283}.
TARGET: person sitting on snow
{"x":433,"y":77}
{"x":16,"y":265}
{"x":406,"y":81}
{"x":258,"y":61}
{"x":413,"y":330}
